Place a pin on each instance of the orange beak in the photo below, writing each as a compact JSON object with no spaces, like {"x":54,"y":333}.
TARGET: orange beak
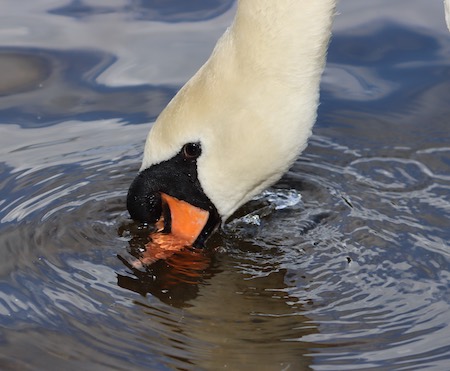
{"x":187,"y":221}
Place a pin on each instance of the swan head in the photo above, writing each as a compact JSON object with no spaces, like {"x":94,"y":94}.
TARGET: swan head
{"x":216,"y":145}
{"x":239,"y":123}
{"x":170,"y":191}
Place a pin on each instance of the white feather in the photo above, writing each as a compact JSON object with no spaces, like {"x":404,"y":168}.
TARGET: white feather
{"x":252,"y":105}
{"x":447,"y":12}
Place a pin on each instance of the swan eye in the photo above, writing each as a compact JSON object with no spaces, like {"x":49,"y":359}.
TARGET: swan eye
{"x":192,"y":151}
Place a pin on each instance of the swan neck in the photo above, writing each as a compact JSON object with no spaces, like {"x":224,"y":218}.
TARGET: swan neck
{"x":282,"y":36}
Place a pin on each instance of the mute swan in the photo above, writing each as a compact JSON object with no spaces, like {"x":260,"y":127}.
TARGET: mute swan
{"x":240,"y":122}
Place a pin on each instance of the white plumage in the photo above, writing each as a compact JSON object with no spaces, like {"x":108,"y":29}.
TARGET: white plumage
{"x":447,"y":12}
{"x":252,"y":105}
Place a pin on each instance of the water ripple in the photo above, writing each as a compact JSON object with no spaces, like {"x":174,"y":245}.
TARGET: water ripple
{"x":343,"y":264}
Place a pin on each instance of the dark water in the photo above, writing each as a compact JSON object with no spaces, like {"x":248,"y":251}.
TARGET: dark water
{"x":352,"y":274}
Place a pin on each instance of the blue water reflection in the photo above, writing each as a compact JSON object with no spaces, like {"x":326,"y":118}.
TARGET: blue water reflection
{"x":65,"y":88}
{"x":149,"y":10}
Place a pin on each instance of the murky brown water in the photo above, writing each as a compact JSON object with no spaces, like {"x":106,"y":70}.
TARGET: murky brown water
{"x":344,"y":264}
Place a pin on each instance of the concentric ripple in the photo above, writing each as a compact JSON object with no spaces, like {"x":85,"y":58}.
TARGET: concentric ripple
{"x":60,"y":266}
{"x":315,"y":264}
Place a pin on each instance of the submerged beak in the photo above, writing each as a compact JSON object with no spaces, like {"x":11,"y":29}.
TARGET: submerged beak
{"x":186,"y":221}
{"x":169,"y":195}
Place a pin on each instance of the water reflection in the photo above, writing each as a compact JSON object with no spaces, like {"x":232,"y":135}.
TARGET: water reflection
{"x":260,"y":325}
{"x":49,"y":94}
{"x":173,"y":280}
{"x":22,"y":72}
{"x":150,"y":10}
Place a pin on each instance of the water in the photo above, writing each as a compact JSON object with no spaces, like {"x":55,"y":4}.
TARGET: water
{"x":344,"y":264}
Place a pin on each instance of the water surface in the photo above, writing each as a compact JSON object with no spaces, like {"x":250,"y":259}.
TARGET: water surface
{"x":343,"y":264}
